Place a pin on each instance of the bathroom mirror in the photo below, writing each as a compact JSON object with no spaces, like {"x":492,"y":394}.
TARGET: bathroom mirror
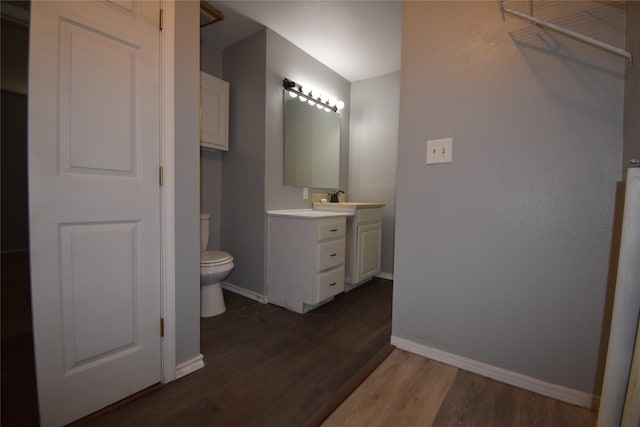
{"x":311,"y":145}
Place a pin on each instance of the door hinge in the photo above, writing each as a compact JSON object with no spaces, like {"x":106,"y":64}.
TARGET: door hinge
{"x":161,"y":327}
{"x":161,"y":19}
{"x":161,"y":176}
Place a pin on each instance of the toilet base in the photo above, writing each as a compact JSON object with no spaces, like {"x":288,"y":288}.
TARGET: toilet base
{"x":211,"y":300}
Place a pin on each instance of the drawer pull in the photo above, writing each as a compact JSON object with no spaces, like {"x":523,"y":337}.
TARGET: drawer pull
{"x":333,"y":230}
{"x":333,"y":254}
{"x":332,"y":284}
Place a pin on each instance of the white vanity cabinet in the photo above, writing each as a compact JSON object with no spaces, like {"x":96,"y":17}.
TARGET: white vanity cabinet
{"x":214,"y":112}
{"x":305,"y":258}
{"x":364,"y":239}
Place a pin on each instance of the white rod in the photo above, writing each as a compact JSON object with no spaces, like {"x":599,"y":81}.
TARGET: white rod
{"x":570,"y":33}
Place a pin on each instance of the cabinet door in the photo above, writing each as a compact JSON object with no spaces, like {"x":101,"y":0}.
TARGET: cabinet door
{"x":214,"y":112}
{"x":369,"y":240}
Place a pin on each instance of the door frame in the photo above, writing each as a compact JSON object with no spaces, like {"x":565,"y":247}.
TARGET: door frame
{"x":167,"y":195}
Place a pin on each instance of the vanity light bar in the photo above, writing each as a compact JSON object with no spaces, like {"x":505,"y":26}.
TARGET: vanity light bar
{"x":312,"y":96}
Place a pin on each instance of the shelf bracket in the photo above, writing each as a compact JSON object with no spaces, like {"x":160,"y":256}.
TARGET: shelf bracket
{"x":567,"y":32}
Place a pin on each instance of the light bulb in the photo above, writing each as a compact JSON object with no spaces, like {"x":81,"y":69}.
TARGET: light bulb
{"x":327,"y":109}
{"x":302,"y":98}
{"x":306,"y":90}
{"x":311,"y":102}
{"x":324,"y":98}
{"x":320,"y":106}
{"x":292,"y":94}
{"x":340,"y":105}
{"x":332,"y":101}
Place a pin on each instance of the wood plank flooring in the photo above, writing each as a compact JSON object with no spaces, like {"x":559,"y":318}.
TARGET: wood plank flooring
{"x":409,"y":390}
{"x":266,"y":366}
{"x":405,"y":390}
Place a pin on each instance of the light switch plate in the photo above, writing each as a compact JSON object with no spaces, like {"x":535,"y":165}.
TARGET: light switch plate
{"x":305,"y":193}
{"x":439,"y":151}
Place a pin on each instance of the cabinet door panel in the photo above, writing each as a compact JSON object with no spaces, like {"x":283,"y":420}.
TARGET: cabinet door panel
{"x":369,"y":240}
{"x":214,"y":112}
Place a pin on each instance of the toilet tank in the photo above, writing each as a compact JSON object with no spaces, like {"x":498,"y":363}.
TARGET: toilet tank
{"x":204,"y":231}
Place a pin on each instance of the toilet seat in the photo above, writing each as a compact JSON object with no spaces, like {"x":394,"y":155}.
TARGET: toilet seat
{"x":213,"y":258}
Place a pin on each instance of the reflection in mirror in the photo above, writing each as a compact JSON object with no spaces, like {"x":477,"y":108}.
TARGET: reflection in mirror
{"x":311,"y":145}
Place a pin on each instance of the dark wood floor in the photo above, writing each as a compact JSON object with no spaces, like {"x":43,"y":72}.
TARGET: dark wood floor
{"x":266,"y":366}
{"x":19,"y":401}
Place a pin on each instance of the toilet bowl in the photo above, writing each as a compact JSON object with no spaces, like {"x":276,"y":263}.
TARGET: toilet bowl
{"x":215,"y":266}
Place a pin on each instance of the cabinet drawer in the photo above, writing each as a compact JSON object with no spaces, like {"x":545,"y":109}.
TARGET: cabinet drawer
{"x":329,"y":230}
{"x":329,"y":284}
{"x":369,"y":215}
{"x":330,"y":254}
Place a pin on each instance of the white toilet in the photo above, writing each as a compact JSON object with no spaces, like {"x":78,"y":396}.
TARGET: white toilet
{"x":215,"y":266}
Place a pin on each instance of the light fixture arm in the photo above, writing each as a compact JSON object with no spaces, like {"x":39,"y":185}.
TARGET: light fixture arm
{"x":296,"y":88}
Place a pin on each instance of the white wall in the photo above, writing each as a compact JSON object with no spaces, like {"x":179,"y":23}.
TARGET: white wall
{"x":375,"y":106}
{"x":502,"y":256}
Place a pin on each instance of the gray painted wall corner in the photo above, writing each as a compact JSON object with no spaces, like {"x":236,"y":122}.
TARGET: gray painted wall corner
{"x":502,"y":256}
{"x":373,"y":151}
{"x":243,"y":166}
{"x":187,"y":246}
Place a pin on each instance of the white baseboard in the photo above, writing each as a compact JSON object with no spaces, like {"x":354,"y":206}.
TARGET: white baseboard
{"x":245,"y":293}
{"x":383,"y":275}
{"x":190,"y":366}
{"x":565,"y":394}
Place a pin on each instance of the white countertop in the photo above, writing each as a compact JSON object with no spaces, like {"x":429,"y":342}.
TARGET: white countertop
{"x":347,"y":205}
{"x":307,"y":213}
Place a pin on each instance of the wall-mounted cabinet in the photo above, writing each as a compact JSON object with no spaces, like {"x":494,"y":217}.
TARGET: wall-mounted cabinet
{"x":214,"y":112}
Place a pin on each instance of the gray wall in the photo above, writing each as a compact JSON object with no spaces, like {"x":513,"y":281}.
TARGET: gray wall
{"x":632,"y":87}
{"x":375,"y":106}
{"x":243,"y":166}
{"x":210,"y":160}
{"x":187,"y":189}
{"x":286,"y":60}
{"x":502,"y":256}
{"x":252,"y":170}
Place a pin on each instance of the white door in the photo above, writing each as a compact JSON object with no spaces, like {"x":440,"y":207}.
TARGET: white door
{"x":94,"y":117}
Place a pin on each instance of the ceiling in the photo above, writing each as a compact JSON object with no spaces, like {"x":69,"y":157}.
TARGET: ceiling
{"x":358,"y":39}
